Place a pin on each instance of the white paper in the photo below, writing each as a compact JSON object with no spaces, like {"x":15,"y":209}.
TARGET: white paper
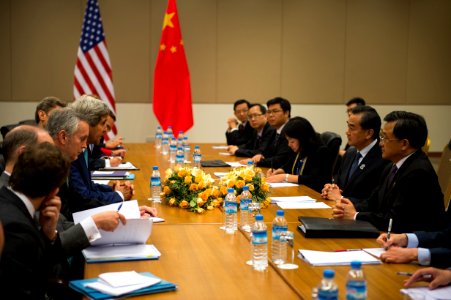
{"x":220,"y":147}
{"x":323,"y":258}
{"x":234,"y":164}
{"x":118,"y":279}
{"x":220,"y":174}
{"x":376,"y":252}
{"x":135,"y":231}
{"x":123,"y":166}
{"x":302,"y":205}
{"x":423,"y":292}
{"x":109,"y":252}
{"x":157,"y":219}
{"x":129,"y":209}
{"x":141,"y":282}
{"x":225,"y":153}
{"x":281,"y":184}
{"x":101,"y":181}
{"x":292,"y":199}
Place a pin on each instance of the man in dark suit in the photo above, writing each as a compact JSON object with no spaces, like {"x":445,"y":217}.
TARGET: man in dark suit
{"x":428,"y":248}
{"x":409,"y":192}
{"x":94,"y":112}
{"x":261,"y":137}
{"x":278,"y":152}
{"x":239,"y":130}
{"x":30,"y":252}
{"x":362,"y":163}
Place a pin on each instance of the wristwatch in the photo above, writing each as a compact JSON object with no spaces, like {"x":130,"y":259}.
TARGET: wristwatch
{"x":286,"y":177}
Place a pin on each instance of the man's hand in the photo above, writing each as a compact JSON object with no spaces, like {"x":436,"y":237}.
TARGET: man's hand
{"x":147,"y":212}
{"x":435,"y":277}
{"x":344,"y":209}
{"x":396,"y":240}
{"x":119,"y":152}
{"x":108,"y":220}
{"x":115,"y":161}
{"x":325,"y":190}
{"x":125,"y":188}
{"x":232,"y":122}
{"x":331,"y":192}
{"x":397,"y":255}
{"x":49,"y":214}
{"x":232,"y":149}
{"x":111,"y":144}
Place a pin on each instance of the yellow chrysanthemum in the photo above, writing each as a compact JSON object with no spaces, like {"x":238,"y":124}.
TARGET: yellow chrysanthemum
{"x":183,"y":204}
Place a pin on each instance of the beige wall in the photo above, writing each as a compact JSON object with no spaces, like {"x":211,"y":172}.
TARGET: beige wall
{"x":309,"y":51}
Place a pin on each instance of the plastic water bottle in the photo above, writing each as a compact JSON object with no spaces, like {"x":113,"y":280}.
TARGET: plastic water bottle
{"x":327,"y":289}
{"x":155,"y":184}
{"x":259,"y":244}
{"x":250,"y":163}
{"x":197,"y":157}
{"x":170,"y":132}
{"x":356,"y":282}
{"x":186,"y":148}
{"x":180,"y":139}
{"x":180,"y":157}
{"x":172,"y":150}
{"x":230,"y":210}
{"x":245,"y":199}
{"x":165,"y":144}
{"x":278,"y":249}
{"x":158,"y":137}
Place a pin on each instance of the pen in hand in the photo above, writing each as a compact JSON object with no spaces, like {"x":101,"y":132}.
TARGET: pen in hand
{"x":120,"y":206}
{"x":425,"y":276}
{"x":390,"y":223}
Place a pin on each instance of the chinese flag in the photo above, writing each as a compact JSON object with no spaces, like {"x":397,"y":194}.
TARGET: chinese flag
{"x":172,"y":91}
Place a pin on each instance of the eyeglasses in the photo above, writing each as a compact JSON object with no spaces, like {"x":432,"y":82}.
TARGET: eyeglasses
{"x":385,"y":139}
{"x":241,"y":111}
{"x":273,"y":112}
{"x":254,"y":116}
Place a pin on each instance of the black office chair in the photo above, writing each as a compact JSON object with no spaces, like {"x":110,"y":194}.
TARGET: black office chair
{"x":333,"y":142}
{"x":7,"y":128}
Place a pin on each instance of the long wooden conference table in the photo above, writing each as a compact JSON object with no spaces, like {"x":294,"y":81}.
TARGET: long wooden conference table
{"x":207,"y":263}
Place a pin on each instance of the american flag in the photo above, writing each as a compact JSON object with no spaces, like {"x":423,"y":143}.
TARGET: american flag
{"x":93,"y":73}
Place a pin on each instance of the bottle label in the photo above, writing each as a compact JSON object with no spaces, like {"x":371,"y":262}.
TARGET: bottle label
{"x":328,"y":294}
{"x":230,"y":207}
{"x":356,"y":290}
{"x":155,"y":181}
{"x":244,"y":203}
{"x":259,"y":237}
{"x":197,"y":158}
{"x":276,"y":230}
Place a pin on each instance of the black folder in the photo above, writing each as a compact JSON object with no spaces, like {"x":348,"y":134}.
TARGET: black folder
{"x":213,"y":163}
{"x":313,"y":227}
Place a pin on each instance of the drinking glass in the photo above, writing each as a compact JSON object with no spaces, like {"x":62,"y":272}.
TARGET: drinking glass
{"x":288,"y":238}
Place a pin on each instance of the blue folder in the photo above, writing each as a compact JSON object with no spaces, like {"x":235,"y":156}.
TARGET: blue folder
{"x":162,"y":286}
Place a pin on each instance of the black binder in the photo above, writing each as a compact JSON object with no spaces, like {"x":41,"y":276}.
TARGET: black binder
{"x":313,"y":227}
{"x":213,"y":163}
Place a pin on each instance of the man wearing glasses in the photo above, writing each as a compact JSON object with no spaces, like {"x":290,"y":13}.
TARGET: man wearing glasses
{"x":408,"y":190}
{"x":278,"y":152}
{"x":239,"y":130}
{"x":261,"y":137}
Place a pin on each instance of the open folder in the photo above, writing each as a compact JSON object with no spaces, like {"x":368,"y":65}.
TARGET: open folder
{"x":126,"y":242}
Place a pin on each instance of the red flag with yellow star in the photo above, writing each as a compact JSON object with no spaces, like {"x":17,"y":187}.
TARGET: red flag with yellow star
{"x":172,"y":90}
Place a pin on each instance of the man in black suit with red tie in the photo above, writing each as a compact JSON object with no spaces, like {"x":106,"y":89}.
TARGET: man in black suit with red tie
{"x":239,"y":131}
{"x":362,"y":163}
{"x":408,"y":191}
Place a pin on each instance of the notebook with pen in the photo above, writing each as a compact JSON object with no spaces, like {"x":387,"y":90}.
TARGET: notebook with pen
{"x":313,"y":227}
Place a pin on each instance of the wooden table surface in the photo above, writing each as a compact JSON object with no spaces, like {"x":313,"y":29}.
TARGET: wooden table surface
{"x":206,"y":263}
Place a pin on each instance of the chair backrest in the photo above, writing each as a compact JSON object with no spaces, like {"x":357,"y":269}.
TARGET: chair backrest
{"x":7,"y":128}
{"x":444,"y":173}
{"x":332,"y":141}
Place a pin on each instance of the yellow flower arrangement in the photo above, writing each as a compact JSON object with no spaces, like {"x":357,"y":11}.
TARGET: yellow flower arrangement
{"x":250,"y":176}
{"x":190,"y":188}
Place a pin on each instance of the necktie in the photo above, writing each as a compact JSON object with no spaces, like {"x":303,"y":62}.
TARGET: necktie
{"x":355,"y":164}
{"x":391,"y":175}
{"x":276,"y":140}
{"x":85,"y":154}
{"x":257,"y":141}
{"x":241,"y":127}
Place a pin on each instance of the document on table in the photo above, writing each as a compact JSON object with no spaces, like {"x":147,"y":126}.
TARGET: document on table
{"x":423,"y":292}
{"x":108,"y":253}
{"x":220,"y":174}
{"x":376,"y":252}
{"x":234,"y":164}
{"x":323,"y":258}
{"x":123,"y":166}
{"x":129,"y":209}
{"x":225,"y":154}
{"x":220,"y":147}
{"x":101,"y":181}
{"x":293,"y":199}
{"x":281,"y":184}
{"x":302,"y":205}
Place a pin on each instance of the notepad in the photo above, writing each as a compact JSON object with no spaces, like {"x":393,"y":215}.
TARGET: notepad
{"x":442,"y":293}
{"x":293,"y":199}
{"x":123,"y":166}
{"x":323,"y":258}
{"x":281,"y":184}
{"x":302,"y":205}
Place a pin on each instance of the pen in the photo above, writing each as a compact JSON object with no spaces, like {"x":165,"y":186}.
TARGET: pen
{"x":120,"y":206}
{"x":347,"y":250}
{"x":390,"y":223}
{"x":426,"y":276}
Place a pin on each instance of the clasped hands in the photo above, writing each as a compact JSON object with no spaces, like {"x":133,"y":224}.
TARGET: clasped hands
{"x":125,"y":188}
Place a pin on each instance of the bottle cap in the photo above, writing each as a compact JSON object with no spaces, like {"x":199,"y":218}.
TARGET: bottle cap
{"x":356,"y":264}
{"x":230,"y":190}
{"x":196,"y":147}
{"x":250,"y":162}
{"x":280,"y":213}
{"x":258,"y":217}
{"x":245,"y":188}
{"x":328,"y":273}
{"x":155,"y":167}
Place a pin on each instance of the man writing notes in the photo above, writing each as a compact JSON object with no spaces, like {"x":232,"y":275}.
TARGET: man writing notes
{"x":261,"y":137}
{"x":362,"y":163}
{"x":408,"y":192}
{"x":239,"y":133}
{"x":278,"y":152}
